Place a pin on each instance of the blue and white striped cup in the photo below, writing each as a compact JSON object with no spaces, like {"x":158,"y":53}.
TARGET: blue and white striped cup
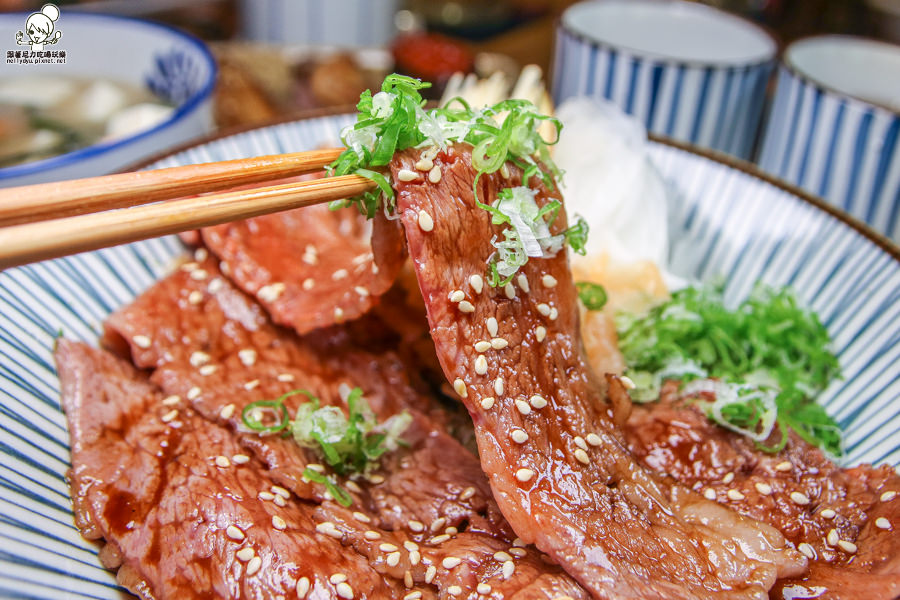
{"x":688,"y":71}
{"x":834,"y":126}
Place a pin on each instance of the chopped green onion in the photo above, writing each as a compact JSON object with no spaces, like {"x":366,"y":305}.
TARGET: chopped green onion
{"x":592,"y":295}
{"x":336,"y":491}
{"x":576,"y":235}
{"x":768,"y":343}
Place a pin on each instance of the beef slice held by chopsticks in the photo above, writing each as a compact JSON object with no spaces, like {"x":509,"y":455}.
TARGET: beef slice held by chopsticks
{"x":545,"y":429}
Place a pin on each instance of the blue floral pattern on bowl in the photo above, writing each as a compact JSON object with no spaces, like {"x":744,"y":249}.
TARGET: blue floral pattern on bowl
{"x":175,"y":76}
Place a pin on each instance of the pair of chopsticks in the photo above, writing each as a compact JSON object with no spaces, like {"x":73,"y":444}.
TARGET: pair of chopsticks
{"x":50,"y":220}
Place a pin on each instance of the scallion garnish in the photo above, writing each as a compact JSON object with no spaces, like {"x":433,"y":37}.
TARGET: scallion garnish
{"x":592,"y":295}
{"x":764,"y":361}
{"x":349,"y":444}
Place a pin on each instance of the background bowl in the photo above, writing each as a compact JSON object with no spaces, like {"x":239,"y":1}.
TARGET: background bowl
{"x":764,"y":232}
{"x":834,"y":127}
{"x":175,"y":66}
{"x":686,"y":70}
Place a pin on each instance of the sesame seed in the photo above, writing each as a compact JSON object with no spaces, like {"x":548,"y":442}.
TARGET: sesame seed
{"x":457,"y":296}
{"x":271,"y":292}
{"x":499,"y":343}
{"x":414,"y":557}
{"x":487,"y":403}
{"x":225,"y":267}
{"x":538,"y":401}
{"x":338,"y":313}
{"x":410,"y":546}
{"x":351,"y":485}
{"x":848,"y":547}
{"x":799,"y":498}
{"x":519,"y":543}
{"x":502,"y":556}
{"x":540,"y":332}
{"x":424,"y":164}
{"x":245,"y":554}
{"x":451,"y":531}
{"x":407,"y":175}
{"x":253,"y":566}
{"x":882,"y":523}
{"x":234,"y":532}
{"x":888,"y":496}
{"x":451,"y":562}
{"x":438,"y":524}
{"x":709,"y":494}
{"x":189,"y":266}
{"x":195,"y":297}
{"x":519,"y":436}
{"x":215,"y":285}
{"x":206,"y":370}
{"x":393,"y":559}
{"x":194,"y":393}
{"x":434,"y":175}
{"x":222,"y":461}
{"x":201,"y":254}
{"x":784,"y":466}
{"x":169,"y":416}
{"x":302,"y":587}
{"x":416,"y":526}
{"x":492,"y":326}
{"x":729,"y":477}
{"x":554,"y":313}
{"x":763,"y":488}
{"x":308,"y":283}
{"x":430,"y":572}
{"x":524,"y":475}
{"x":832,"y":538}
{"x":523,"y":283}
{"x":247,"y":356}
{"x":372,"y":535}
{"x":459,"y":386}
{"x":361,"y":290}
{"x":579,"y":441}
{"x":454,"y":590}
{"x":498,"y":386}
{"x":627,"y":382}
{"x":279,"y":501}
{"x":476,"y":282}
{"x":344,"y":590}
{"x":310,"y":258}
{"x":426,"y":223}
{"x":337,"y":578}
{"x":361,"y":517}
{"x":523,"y":407}
{"x":375,"y":479}
{"x":278,"y":523}
{"x":251,"y":385}
{"x":413,"y":595}
{"x":734,"y":495}
{"x":807,"y":550}
{"x":508,"y":568}
{"x":483,"y":589}
{"x":509,"y":290}
{"x":171,"y":400}
{"x":198,"y":275}
{"x":227,"y":411}
{"x":141,"y":341}
{"x":199,"y":358}
{"x":543,"y":308}
{"x":518,"y":552}
{"x":482,"y":346}
{"x":593,"y":439}
{"x":467,"y":493}
{"x":481,"y":365}
{"x":280,"y":491}
{"x":582,"y":456}
{"x":466,"y":307}
{"x":439,"y":539}
{"x":549,"y":281}
{"x":266,"y":496}
{"x":828,"y":513}
{"x":385,"y":547}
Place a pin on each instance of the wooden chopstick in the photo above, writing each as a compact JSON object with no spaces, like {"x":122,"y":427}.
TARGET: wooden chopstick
{"x":31,"y":242}
{"x":44,"y":201}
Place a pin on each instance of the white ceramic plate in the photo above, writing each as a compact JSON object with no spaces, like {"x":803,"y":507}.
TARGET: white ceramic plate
{"x":724,"y":223}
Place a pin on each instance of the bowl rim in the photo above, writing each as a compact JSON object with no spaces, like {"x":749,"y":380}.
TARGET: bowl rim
{"x":677,"y":62}
{"x":807,"y":79}
{"x":721,"y":158}
{"x":186,"y":108}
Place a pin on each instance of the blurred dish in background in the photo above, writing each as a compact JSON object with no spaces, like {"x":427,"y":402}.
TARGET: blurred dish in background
{"x":685,"y":70}
{"x":834,"y":127}
{"x":117,"y":90}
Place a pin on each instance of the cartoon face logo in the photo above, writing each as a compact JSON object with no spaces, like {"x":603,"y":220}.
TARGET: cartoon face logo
{"x":39,"y":29}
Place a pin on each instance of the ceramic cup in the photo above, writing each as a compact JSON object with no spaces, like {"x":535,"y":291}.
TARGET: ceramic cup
{"x":834,"y":127}
{"x":686,"y":70}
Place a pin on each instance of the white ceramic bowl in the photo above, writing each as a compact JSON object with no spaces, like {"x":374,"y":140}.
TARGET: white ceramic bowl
{"x":834,"y":127}
{"x":686,"y":70}
{"x":176,"y":66}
